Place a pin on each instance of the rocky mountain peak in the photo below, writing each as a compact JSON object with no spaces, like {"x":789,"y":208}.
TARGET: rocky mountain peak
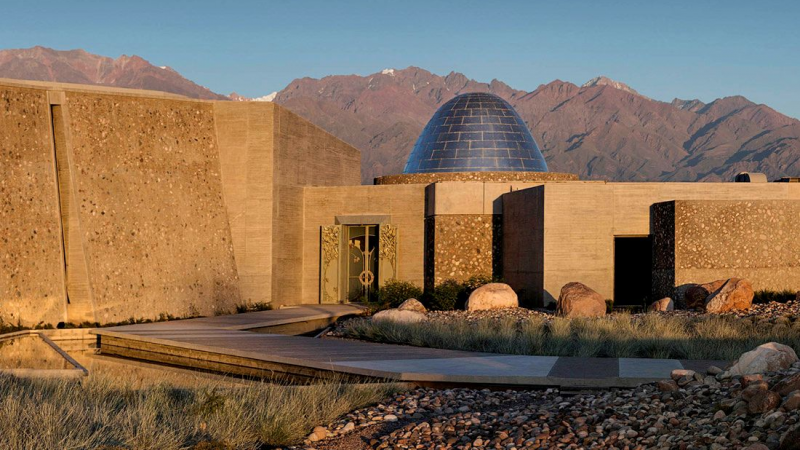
{"x":605,"y":81}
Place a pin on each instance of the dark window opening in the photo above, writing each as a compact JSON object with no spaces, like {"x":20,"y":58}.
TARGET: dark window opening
{"x":633,"y":271}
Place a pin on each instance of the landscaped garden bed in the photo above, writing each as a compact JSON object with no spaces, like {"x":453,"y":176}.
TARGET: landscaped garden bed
{"x":524,"y":332}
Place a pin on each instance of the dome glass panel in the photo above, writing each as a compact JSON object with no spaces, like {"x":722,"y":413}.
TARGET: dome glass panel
{"x":475,"y":132}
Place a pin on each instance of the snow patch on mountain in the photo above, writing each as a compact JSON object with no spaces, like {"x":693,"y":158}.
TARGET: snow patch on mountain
{"x":389,"y":72}
{"x":266,"y":98}
{"x":605,"y":81}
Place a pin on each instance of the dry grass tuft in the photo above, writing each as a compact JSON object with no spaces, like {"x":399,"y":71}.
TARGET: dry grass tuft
{"x":618,"y":336}
{"x":105,"y":411}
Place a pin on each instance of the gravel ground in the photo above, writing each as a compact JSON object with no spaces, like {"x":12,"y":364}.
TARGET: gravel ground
{"x":697,"y":411}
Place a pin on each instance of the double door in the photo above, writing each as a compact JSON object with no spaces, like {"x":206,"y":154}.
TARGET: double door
{"x":356,"y":260}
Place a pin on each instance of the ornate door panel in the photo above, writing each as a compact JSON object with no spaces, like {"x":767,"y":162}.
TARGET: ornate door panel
{"x":388,"y":252}
{"x":330,"y":264}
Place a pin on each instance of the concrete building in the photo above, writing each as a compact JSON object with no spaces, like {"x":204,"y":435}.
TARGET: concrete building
{"x":118,"y":204}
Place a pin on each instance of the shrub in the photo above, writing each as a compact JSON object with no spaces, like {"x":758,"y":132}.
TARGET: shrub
{"x":451,"y":294}
{"x":444,"y":297}
{"x":765,"y":296}
{"x":394,"y":292}
{"x":476,"y":281}
{"x":252,"y":307}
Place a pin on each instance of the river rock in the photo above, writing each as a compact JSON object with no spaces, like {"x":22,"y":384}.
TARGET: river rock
{"x":767,"y":357}
{"x":578,"y":300}
{"x":492,"y":296}
{"x":787,"y":385}
{"x":762,"y":402}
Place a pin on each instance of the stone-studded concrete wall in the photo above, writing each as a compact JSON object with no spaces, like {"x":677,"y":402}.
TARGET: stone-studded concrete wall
{"x":149,"y":194}
{"x":489,"y":177}
{"x":582,"y":218}
{"x":702,"y":241}
{"x":463,"y":246}
{"x":31,"y":258}
{"x":305,"y":155}
{"x":169,"y":205}
{"x":404,"y":205}
{"x":465,"y":229}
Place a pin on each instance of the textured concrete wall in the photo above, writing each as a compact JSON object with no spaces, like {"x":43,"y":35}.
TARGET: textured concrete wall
{"x":582,"y":218}
{"x":702,"y":241}
{"x":465,"y":228}
{"x":31,"y":259}
{"x":490,"y":177}
{"x":245,"y":133}
{"x":305,"y":155}
{"x":404,"y":205}
{"x":164,"y":205}
{"x":523,"y":244}
{"x":149,"y":195}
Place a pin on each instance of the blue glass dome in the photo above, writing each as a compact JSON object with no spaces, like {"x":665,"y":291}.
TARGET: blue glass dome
{"x":475,"y":132}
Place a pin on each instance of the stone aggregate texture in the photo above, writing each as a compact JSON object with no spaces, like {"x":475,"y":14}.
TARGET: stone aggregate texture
{"x":135,"y":204}
{"x":31,"y":261}
{"x":427,"y":178}
{"x":572,"y":226}
{"x":700,"y":241}
{"x":463,"y":245}
{"x":695,"y":411}
{"x":149,"y":195}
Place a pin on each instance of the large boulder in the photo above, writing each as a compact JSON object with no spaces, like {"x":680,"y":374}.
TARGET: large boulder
{"x":578,"y":300}
{"x":492,"y":296}
{"x":735,"y":294}
{"x":765,"y":358}
{"x":695,"y":296}
{"x":665,"y":304}
{"x":412,"y":304}
{"x":720,"y":296}
{"x":398,"y":316}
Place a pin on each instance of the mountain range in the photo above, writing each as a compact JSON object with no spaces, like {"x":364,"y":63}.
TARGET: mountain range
{"x":602,"y":129}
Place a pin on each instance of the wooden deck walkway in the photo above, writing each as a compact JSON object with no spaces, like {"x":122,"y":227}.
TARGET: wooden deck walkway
{"x":223,"y":345}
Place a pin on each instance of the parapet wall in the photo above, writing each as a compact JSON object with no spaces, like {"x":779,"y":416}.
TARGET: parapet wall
{"x":488,"y":177}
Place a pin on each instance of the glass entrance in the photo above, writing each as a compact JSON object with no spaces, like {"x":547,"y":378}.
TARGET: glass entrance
{"x":362,"y":262}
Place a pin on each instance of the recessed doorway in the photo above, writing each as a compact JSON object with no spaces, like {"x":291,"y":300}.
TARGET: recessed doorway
{"x":633,"y":270}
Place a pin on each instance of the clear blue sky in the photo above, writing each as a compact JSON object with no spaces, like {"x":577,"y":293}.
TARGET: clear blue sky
{"x":664,"y":49}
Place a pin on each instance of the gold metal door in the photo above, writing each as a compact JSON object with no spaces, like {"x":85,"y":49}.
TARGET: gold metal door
{"x":362,"y":262}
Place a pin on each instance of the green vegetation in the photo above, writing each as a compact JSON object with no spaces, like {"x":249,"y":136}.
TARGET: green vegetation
{"x":395,"y":292}
{"x":447,"y":296}
{"x":619,"y":335}
{"x":451,"y":294}
{"x":114,"y":412}
{"x":6,"y":327}
{"x":783,"y":296}
{"x":252,"y":307}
